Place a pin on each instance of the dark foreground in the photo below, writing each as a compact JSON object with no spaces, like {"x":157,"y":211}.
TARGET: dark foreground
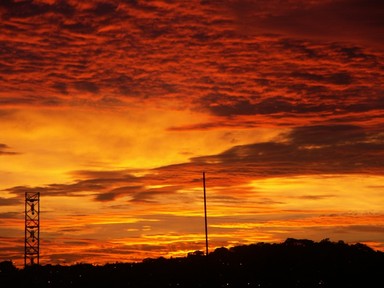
{"x":294,"y":263}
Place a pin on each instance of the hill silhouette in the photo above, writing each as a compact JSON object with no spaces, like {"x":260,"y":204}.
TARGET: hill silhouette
{"x":293,"y":263}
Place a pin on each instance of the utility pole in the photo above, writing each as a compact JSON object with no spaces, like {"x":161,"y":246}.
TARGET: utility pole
{"x":32,"y":229}
{"x":205,"y":217}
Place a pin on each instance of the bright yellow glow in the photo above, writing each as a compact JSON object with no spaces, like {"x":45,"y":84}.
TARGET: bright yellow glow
{"x":52,"y":143}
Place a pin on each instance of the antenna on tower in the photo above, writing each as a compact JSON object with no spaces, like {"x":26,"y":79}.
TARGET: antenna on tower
{"x":32,"y":229}
{"x":205,"y":217}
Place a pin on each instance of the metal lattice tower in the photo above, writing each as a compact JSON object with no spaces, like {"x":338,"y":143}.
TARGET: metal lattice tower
{"x":32,"y":229}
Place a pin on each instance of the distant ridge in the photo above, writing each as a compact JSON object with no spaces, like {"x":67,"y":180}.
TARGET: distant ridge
{"x":292,"y":263}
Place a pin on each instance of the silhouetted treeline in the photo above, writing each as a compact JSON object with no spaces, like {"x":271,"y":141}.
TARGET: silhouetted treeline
{"x":293,"y":263}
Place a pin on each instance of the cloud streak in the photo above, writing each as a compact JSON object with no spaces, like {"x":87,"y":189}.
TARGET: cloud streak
{"x":4,"y":150}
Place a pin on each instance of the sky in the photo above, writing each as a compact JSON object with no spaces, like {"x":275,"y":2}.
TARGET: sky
{"x":113,"y":109}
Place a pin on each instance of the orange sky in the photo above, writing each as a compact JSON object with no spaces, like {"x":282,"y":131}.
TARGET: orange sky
{"x":112,"y":110}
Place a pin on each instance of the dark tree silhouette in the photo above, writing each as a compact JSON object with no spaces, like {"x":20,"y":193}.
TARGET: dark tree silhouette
{"x":293,"y":263}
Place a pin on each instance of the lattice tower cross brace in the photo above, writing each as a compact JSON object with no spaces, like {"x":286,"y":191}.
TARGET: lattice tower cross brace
{"x":32,"y":229}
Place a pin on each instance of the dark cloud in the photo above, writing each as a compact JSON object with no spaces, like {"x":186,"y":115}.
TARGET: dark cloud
{"x":30,"y":100}
{"x":320,"y":149}
{"x":87,"y":86}
{"x":118,"y":192}
{"x":23,"y":9}
{"x":339,"y":78}
{"x":103,"y":186}
{"x":79,"y":28}
{"x":232,"y":106}
{"x":315,"y":197}
{"x":116,"y":174}
{"x":21,"y":190}
{"x":30,"y":8}
{"x":309,"y":150}
{"x":150,"y":195}
{"x":367,"y":228}
{"x":200,"y":126}
{"x":75,"y":189}
{"x":355,"y":53}
{"x":328,"y":135}
{"x":64,"y":258}
{"x":354,"y":21}
{"x":5,"y":101}
{"x":4,"y":150}
{"x":11,"y":215}
{"x":9,"y":201}
{"x":77,"y":242}
{"x":104,"y":8}
{"x":138,"y":193}
{"x":61,"y":87}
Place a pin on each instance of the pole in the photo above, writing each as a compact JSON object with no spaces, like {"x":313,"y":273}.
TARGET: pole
{"x":205,"y":217}
{"x":25,"y":229}
{"x":38,"y":228}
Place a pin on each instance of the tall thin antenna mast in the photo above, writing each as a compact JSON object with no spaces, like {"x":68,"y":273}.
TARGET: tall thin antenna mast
{"x":205,"y":217}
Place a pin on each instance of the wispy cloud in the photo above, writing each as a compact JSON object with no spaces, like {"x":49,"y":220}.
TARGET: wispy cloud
{"x":9,"y":202}
{"x":4,"y":150}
